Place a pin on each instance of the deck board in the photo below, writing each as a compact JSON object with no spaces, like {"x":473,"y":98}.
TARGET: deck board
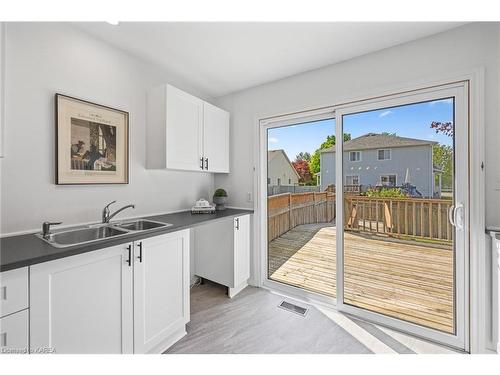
{"x":413,"y":282}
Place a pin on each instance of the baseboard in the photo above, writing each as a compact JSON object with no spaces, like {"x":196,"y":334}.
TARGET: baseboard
{"x":169,"y":341}
{"x":234,"y":291}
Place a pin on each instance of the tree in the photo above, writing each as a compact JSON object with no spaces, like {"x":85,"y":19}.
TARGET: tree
{"x":443,"y":127}
{"x":302,"y":168}
{"x":314,"y":165}
{"x":303,"y":156}
{"x":443,"y":158}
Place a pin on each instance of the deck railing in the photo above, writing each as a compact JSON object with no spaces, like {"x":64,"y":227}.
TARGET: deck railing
{"x":395,"y":217}
{"x":399,"y":217}
{"x":286,"y":211}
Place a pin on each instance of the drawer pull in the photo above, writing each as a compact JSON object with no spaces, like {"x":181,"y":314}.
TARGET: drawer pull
{"x":3,"y":339}
{"x":3,"y":293}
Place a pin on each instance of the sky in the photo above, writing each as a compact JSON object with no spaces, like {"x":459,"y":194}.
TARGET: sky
{"x":411,"y":121}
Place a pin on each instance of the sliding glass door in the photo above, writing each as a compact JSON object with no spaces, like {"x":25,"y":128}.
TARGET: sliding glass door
{"x":300,"y":204}
{"x":402,"y":212}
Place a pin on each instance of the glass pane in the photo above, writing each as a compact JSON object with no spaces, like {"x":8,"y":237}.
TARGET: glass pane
{"x":398,"y":243}
{"x":301,"y":213}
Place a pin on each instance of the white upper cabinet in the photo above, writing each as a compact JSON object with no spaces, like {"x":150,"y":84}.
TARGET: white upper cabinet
{"x":185,"y":133}
{"x":215,"y":139}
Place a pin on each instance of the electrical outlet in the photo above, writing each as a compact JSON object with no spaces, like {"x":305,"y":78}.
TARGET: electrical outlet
{"x":249,"y":196}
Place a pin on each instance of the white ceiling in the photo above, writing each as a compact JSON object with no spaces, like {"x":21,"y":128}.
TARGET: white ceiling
{"x":221,"y":58}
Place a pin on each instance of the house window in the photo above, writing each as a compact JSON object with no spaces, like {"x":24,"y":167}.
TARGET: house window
{"x":269,"y":180}
{"x":384,"y":154}
{"x":289,"y":181}
{"x":355,"y":156}
{"x":279,"y":181}
{"x":352,"y":180}
{"x":388,"y":180}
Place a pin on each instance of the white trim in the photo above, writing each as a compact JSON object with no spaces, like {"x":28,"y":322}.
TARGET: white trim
{"x":352,"y":175}
{"x":384,"y":149}
{"x":355,"y":161}
{"x":387,"y":175}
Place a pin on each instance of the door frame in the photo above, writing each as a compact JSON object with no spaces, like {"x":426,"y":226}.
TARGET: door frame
{"x":479,"y":326}
{"x":264,"y":125}
{"x":459,"y":91}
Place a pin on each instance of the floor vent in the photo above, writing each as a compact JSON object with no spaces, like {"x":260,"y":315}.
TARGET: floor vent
{"x":302,"y":311}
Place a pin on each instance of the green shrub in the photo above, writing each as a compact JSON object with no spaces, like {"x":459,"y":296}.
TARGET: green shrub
{"x":385,"y":193}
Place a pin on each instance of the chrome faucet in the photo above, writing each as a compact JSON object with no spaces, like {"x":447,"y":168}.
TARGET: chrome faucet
{"x":107,"y":216}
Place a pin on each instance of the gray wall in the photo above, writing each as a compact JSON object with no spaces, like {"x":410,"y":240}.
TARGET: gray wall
{"x":43,"y":59}
{"x":369,"y":169}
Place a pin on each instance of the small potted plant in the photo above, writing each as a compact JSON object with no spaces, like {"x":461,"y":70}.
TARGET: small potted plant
{"x":220,"y":198}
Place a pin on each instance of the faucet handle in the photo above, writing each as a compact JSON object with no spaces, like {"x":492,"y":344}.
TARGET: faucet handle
{"x":46,"y":227}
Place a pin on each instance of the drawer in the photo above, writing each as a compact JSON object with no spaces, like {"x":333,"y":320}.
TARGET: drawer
{"x":13,"y":291}
{"x":14,"y":333}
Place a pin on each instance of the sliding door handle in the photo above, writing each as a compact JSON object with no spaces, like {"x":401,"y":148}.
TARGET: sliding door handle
{"x":458,"y":216}
{"x":451,"y":214}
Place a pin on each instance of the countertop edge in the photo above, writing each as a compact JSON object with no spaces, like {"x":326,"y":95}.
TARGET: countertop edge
{"x":85,"y":248}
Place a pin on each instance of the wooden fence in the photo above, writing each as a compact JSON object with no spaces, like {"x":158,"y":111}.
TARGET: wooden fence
{"x":399,"y":217}
{"x":396,"y":217}
{"x":286,"y":211}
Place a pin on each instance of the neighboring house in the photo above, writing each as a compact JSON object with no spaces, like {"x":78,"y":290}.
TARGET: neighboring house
{"x":384,"y":160}
{"x":280,"y":171}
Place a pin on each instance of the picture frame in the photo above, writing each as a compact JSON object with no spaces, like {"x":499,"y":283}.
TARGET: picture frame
{"x":92,"y":143}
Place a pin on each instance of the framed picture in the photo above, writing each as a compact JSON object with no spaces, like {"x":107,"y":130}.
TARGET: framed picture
{"x":91,"y":143}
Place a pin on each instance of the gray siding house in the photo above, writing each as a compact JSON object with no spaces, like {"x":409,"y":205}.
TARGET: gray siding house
{"x":383,"y":160}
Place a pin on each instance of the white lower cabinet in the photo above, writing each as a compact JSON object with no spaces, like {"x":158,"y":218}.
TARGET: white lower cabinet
{"x":161,"y":291}
{"x":222,"y":252}
{"x":14,"y":333}
{"x":111,"y":300}
{"x":83,"y":303}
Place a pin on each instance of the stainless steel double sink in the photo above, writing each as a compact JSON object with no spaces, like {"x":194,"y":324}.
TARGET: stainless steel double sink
{"x":98,"y":232}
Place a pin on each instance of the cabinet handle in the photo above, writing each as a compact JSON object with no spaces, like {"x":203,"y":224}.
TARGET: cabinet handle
{"x":3,"y":339}
{"x":237,"y":223}
{"x":140,"y":252}
{"x":129,"y":260}
{"x":206,"y":164}
{"x":3,"y":293}
{"x":201,"y":160}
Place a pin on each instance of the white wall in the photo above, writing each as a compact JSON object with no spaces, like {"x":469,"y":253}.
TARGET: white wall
{"x":464,"y":48}
{"x":44,"y":59}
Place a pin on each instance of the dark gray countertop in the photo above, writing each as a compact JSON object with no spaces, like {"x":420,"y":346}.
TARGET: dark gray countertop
{"x":27,"y":249}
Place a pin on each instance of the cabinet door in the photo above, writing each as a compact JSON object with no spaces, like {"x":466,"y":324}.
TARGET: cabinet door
{"x":215,"y":139}
{"x":184,"y":122}
{"x":83,"y":303}
{"x":241,"y":249}
{"x":161,"y":291}
{"x":13,"y":291}
{"x":14,"y":333}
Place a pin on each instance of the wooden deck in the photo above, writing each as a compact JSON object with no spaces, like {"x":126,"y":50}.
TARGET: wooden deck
{"x":412,"y":282}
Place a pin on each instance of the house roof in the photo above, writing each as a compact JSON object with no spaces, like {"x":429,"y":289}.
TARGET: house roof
{"x":376,"y":141}
{"x":271,"y":154}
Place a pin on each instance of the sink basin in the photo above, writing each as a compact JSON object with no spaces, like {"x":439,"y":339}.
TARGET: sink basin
{"x":83,"y":235}
{"x":141,"y":225}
